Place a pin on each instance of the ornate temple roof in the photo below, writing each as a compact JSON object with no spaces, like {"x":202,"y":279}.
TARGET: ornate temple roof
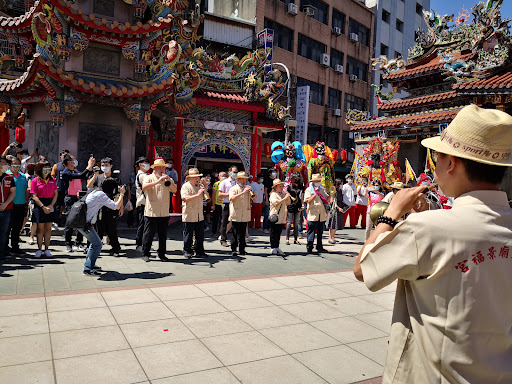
{"x":501,"y":83}
{"x":234,"y":97}
{"x":20,"y":23}
{"x":416,"y":101}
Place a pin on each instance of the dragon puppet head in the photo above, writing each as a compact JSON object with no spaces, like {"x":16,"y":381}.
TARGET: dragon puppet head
{"x":320,"y":148}
{"x":290,"y":151}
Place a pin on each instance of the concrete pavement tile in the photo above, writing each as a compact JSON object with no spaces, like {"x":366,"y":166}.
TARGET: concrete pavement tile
{"x":21,"y":325}
{"x":257,"y":285}
{"x":380,"y":320}
{"x":25,"y":349}
{"x":30,"y":279}
{"x":30,"y":289}
{"x":353,"y":305}
{"x":130,"y":296}
{"x":80,"y":319}
{"x":267,"y":317}
{"x":330,"y":278}
{"x":285,"y":296}
{"x":340,"y":364}
{"x":375,"y":349}
{"x":118,"y":367}
{"x":353,"y":288}
{"x":214,"y":376}
{"x":221,"y":288}
{"x":296,"y":281}
{"x":242,"y":301}
{"x":194,"y":307}
{"x":299,"y":338}
{"x":35,"y":270}
{"x":107,"y":283}
{"x":79,"y":285}
{"x":277,"y":370}
{"x":51,"y":282}
{"x":27,"y":373}
{"x":322,"y":292}
{"x":242,"y":347}
{"x":385,"y":299}
{"x":178,"y":292}
{"x":133,"y":313}
{"x":78,"y":276}
{"x":349,"y":275}
{"x":87,"y":341}
{"x":71,"y":302}
{"x":22,"y":306}
{"x":215,"y":324}
{"x":156,"y":332}
{"x":177,"y":358}
{"x":348,"y":329}
{"x":312,"y":311}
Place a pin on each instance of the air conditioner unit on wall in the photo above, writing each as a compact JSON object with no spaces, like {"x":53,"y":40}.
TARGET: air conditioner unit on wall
{"x":326,"y":60}
{"x":309,"y":10}
{"x":353,"y":77}
{"x":336,"y":31}
{"x":336,"y":112}
{"x":338,"y":68}
{"x":354,"y":37}
{"x":292,"y":9}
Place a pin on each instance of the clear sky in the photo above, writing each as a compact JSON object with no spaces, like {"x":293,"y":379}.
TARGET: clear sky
{"x":444,"y":7}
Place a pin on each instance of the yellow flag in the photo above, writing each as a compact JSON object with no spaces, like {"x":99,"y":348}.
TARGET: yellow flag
{"x":430,"y":162}
{"x":409,"y":172}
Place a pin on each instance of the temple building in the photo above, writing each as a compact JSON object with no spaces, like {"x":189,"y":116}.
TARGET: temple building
{"x":458,"y":60}
{"x":124,"y":78}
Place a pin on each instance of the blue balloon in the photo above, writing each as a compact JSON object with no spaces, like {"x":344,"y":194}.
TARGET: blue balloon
{"x":276,"y":144}
{"x":277,"y":155}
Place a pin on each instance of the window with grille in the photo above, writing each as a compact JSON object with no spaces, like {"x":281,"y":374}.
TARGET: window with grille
{"x":316,"y":91}
{"x":283,"y":37}
{"x":360,"y":30}
{"x":358,"y":68}
{"x":310,"y":49}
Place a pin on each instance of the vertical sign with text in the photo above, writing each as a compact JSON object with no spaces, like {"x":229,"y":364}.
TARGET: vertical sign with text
{"x":266,"y":41}
{"x":301,"y":130}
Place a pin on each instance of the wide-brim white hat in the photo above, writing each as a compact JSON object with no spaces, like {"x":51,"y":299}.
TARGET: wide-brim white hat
{"x":478,"y":134}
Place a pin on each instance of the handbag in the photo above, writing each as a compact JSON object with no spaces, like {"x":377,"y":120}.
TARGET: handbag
{"x":274,"y":218}
{"x":129,"y":206}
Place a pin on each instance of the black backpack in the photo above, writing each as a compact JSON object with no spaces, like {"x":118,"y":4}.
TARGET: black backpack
{"x":77,"y":215}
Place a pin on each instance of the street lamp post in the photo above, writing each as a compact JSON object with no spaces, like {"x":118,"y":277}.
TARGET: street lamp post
{"x":287,"y":123}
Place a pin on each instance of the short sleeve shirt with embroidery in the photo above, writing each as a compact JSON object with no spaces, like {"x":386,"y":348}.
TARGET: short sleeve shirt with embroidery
{"x":453,"y":314}
{"x":44,"y":189}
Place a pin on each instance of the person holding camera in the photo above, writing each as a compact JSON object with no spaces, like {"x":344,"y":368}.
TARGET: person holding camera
{"x":156,"y":187}
{"x":193,"y":193}
{"x":107,"y":220}
{"x":277,"y":215}
{"x":142,"y":165}
{"x":96,"y":200}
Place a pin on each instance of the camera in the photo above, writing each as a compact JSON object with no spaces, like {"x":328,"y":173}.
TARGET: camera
{"x":96,"y":169}
{"x":167,"y":183}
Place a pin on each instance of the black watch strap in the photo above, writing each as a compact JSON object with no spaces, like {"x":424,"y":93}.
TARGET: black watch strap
{"x":387,"y":220}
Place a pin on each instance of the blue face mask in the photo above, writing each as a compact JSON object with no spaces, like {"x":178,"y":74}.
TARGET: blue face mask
{"x":234,"y":175}
{"x":261,"y":180}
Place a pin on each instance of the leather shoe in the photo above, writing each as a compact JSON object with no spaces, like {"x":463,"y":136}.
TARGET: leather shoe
{"x":322,"y":250}
{"x":163,"y":258}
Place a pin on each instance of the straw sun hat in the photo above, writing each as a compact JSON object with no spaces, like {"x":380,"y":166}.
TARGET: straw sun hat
{"x":276,"y":182}
{"x":397,"y":185}
{"x":241,"y":175}
{"x":316,"y":177}
{"x":194,"y":172}
{"x":159,"y":163}
{"x":478,"y":134}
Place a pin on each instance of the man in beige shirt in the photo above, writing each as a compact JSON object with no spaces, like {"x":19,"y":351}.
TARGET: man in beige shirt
{"x":239,"y":212}
{"x":156,"y":187}
{"x":193,"y":194}
{"x":316,"y":198}
{"x":452,"y":319}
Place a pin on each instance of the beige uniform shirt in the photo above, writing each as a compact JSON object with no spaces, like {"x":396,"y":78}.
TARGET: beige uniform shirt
{"x":452,"y":321}
{"x":239,"y":209}
{"x":316,"y":210}
{"x":192,"y":210}
{"x":280,"y":210}
{"x":388,"y":197}
{"x":157,"y":198}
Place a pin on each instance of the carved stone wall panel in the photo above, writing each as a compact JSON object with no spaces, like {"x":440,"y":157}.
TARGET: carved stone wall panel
{"x":47,"y":140}
{"x":100,"y":140}
{"x":106,"y":61}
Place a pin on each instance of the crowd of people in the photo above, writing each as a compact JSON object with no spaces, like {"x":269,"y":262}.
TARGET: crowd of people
{"x":40,"y":194}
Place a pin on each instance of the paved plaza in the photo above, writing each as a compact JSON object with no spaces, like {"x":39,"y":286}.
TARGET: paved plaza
{"x":256,"y":319}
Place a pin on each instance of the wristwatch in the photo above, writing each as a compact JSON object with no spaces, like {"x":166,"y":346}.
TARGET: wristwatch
{"x":387,"y":220}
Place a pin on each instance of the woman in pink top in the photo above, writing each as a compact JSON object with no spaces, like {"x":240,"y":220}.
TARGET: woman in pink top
{"x":374,"y":196}
{"x":44,"y":193}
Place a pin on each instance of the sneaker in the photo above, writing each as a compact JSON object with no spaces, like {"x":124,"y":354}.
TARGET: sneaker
{"x":295,"y":242}
{"x":279,"y":252}
{"x":97,"y":268}
{"x":234,"y":253}
{"x":92,"y":272}
{"x":220,"y":238}
{"x":224,"y":244}
{"x":266,"y":231}
{"x":187,"y":255}
{"x":80,"y":248}
{"x":31,"y":242}
{"x":322,"y":250}
{"x":207,"y":229}
{"x":38,"y":254}
{"x":75,"y":248}
{"x":274,"y":251}
{"x":145,"y":258}
{"x":69,"y":248}
{"x":54,"y":227}
{"x":115,"y":254}
{"x":139,"y":248}
{"x":287,"y":242}
{"x":47,"y":253}
{"x":249,"y":239}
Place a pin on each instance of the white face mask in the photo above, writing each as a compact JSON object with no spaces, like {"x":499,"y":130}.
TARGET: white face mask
{"x":274,"y":174}
{"x":170,"y":166}
{"x":350,"y":181}
{"x":105,"y":169}
{"x":145,"y":167}
{"x":76,"y":163}
{"x":317,"y":184}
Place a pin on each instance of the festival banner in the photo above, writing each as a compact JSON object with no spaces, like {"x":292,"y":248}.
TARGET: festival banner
{"x":409,"y":172}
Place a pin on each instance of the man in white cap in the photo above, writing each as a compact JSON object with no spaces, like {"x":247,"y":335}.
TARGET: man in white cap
{"x":452,"y":319}
{"x":239,"y":212}
{"x":156,"y":187}
{"x":192,"y":197}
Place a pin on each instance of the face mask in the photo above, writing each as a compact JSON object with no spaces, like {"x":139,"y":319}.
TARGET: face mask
{"x":260,"y":180}
{"x":274,"y":174}
{"x":105,"y":169}
{"x":46,"y":172}
{"x":15,"y":168}
{"x":145,"y":167}
{"x":170,"y":166}
{"x":317,"y":185}
{"x":234,"y":175}
{"x":76,"y":163}
{"x":350,"y":181}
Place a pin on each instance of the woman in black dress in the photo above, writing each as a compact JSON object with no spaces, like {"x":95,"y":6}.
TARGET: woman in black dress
{"x":335,"y":221}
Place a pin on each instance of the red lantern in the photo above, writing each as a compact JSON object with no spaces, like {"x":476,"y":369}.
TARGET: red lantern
{"x":19,"y":135}
{"x":267,"y":149}
{"x":334,"y":155}
{"x":343,"y":156}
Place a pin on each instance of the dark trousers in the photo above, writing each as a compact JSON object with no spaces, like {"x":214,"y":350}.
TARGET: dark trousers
{"x":318,"y":227}
{"x":108,"y":226}
{"x":58,"y":205}
{"x":217,"y":214}
{"x":189,"y":229}
{"x":154,"y":225}
{"x":140,"y":224}
{"x":17,"y":217}
{"x":275,"y":235}
{"x":68,"y":232}
{"x":225,"y":221}
{"x":132,"y":215}
{"x":293,"y":219}
{"x":5,"y":219}
{"x":239,"y":229}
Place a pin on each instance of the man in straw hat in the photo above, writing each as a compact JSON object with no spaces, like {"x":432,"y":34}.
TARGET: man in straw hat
{"x":192,"y":196}
{"x":452,"y":319}
{"x":239,"y":212}
{"x":395,"y":187}
{"x":316,"y":198}
{"x":156,"y":187}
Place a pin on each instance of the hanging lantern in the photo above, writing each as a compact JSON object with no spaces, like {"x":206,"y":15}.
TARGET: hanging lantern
{"x":335,"y":154}
{"x":19,"y":135}
{"x":343,"y":155}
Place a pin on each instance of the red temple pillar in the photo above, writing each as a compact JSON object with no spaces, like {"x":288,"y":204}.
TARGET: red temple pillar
{"x":177,"y":156}
{"x":260,"y":152}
